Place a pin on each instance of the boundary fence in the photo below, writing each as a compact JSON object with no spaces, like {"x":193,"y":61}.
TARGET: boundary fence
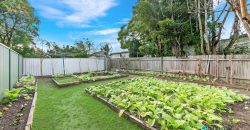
{"x":10,"y":68}
{"x":230,"y":67}
{"x":51,"y":66}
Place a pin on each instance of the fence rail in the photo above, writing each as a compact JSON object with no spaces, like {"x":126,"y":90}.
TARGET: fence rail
{"x":51,"y":66}
{"x":10,"y":68}
{"x":229,"y":67}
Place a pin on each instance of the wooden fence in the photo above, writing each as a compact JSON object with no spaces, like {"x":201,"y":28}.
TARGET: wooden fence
{"x":228,"y":67}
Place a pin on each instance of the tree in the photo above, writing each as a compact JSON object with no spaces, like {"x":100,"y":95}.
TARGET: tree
{"x":240,"y":9}
{"x":106,"y":48}
{"x":18,"y":24}
{"x":163,"y":25}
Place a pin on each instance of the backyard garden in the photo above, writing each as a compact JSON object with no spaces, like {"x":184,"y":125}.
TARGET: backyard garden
{"x":124,"y":65}
{"x":111,"y":100}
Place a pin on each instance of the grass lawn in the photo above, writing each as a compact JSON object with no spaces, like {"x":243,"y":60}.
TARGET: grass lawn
{"x":72,"y":109}
{"x":66,"y":80}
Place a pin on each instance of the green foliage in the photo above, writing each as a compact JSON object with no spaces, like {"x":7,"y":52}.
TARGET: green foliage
{"x":168,"y":75}
{"x":171,"y":105}
{"x":27,"y":79}
{"x":18,"y":23}
{"x":11,"y":95}
{"x":159,"y":28}
{"x":62,"y":75}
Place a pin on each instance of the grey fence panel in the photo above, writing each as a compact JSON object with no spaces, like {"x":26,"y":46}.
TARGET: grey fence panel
{"x":20,"y":64}
{"x":14,"y":68}
{"x":10,"y":68}
{"x":50,"y":66}
{"x":32,"y":66}
{"x":4,"y":69}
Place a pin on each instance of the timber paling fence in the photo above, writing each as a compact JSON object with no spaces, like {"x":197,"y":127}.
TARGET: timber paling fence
{"x":230,"y":68}
{"x":10,"y":68}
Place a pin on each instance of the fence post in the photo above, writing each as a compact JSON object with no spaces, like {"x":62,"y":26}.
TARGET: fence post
{"x":41,"y":69}
{"x":9,"y":69}
{"x":18,"y":68}
{"x":63,"y":67}
{"x":140,"y":63}
{"x":217,"y":67}
{"x":231,"y":69}
{"x":162,"y":64}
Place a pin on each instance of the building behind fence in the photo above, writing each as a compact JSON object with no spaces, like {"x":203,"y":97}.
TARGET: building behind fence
{"x":220,"y":66}
{"x":10,"y":68}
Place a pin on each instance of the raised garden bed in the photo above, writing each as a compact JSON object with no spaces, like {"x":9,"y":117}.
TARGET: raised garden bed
{"x":85,"y":78}
{"x":17,"y":108}
{"x":26,"y":80}
{"x":172,"y":105}
{"x":183,"y":78}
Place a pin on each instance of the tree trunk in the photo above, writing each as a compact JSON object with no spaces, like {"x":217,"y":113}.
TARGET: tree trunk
{"x":200,"y":27}
{"x":235,"y":35}
{"x":206,"y":27}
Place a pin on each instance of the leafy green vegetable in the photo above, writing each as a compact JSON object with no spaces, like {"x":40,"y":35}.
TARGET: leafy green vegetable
{"x":172,"y":105}
{"x":27,"y":79}
{"x":167,"y":75}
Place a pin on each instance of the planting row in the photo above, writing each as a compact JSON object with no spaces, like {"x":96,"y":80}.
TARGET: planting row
{"x":170,"y":105}
{"x":169,"y":75}
{"x":16,"y":103}
{"x":71,"y":79}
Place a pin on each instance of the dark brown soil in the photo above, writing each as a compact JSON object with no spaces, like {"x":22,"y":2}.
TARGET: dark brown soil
{"x":15,"y":118}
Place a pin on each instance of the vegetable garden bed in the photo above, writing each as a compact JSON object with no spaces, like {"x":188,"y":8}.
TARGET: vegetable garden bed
{"x":183,"y":78}
{"x":17,"y":107}
{"x":85,"y":78}
{"x":170,"y":105}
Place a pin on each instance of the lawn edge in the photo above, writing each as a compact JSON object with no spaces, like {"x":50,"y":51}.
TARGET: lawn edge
{"x":139,"y":122}
{"x":31,"y":113}
{"x":86,"y":81}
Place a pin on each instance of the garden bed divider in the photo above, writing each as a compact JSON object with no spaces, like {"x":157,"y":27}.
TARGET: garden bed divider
{"x":87,"y":81}
{"x":139,"y":122}
{"x":31,"y":113}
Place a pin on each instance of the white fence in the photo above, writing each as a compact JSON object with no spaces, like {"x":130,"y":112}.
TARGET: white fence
{"x":51,"y":66}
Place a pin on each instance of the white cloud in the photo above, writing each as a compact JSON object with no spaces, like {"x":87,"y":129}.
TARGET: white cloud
{"x":106,"y":31}
{"x":123,"y":21}
{"x":73,"y":12}
{"x":103,"y":32}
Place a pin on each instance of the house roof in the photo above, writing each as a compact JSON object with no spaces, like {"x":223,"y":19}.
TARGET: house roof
{"x":119,"y":52}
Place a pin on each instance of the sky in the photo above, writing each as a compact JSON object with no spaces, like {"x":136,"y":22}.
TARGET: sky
{"x":64,"y":21}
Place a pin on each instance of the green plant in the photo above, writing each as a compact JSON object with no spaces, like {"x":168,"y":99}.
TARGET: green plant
{"x":11,"y":95}
{"x":27,"y":79}
{"x":62,"y":75}
{"x":171,"y":105}
{"x":1,"y":114}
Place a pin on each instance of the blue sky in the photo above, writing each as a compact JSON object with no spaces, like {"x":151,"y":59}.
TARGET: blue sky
{"x":64,"y":21}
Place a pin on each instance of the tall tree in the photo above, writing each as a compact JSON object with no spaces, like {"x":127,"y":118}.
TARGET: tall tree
{"x":18,"y":24}
{"x":106,"y":48}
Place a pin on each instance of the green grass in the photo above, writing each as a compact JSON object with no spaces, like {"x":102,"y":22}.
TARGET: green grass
{"x":72,"y":109}
{"x":66,"y":80}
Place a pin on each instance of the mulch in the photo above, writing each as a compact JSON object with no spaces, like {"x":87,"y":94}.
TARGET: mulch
{"x":15,"y":118}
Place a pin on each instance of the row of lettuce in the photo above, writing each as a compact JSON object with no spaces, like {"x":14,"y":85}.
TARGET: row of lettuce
{"x":25,"y":88}
{"x":90,"y":76}
{"x":170,"y":105}
{"x":169,"y":75}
